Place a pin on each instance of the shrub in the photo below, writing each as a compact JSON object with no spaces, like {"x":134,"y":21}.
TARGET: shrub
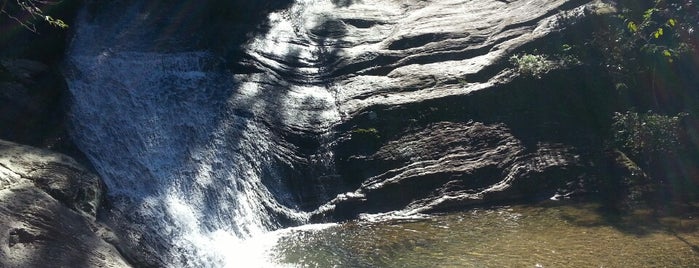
{"x":366,"y":133}
{"x":648,"y":133}
{"x":532,"y":65}
{"x":663,"y":28}
{"x":643,"y":40}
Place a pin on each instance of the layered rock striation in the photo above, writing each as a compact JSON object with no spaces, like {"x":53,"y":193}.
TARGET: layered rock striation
{"x":435,"y":117}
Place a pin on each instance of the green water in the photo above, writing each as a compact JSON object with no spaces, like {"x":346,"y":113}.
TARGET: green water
{"x":516,"y":236}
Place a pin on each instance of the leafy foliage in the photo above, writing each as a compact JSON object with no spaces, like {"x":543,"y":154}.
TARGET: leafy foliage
{"x":662,"y":29}
{"x":366,"y":133}
{"x":648,"y":133}
{"x":28,"y":12}
{"x":531,"y":64}
{"x":643,"y":37}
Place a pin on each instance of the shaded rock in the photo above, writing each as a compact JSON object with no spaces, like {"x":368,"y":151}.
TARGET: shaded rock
{"x":48,"y":204}
{"x":626,"y":184}
{"x":58,"y":175}
{"x":435,"y":118}
{"x":23,"y":69}
{"x":450,"y":165}
{"x":32,"y":88}
{"x":31,"y":107}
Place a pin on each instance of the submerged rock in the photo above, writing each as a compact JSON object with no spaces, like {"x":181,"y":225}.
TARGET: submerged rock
{"x":48,"y":205}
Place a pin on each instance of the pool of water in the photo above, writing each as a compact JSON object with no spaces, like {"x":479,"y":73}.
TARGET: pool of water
{"x":578,"y":235}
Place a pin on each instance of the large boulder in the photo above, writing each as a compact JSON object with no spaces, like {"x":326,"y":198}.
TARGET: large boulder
{"x":48,"y":204}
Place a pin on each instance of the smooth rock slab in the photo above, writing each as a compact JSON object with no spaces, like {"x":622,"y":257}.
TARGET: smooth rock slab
{"x":47,"y":208}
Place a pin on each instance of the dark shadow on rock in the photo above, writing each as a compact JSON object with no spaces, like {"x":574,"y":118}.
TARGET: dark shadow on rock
{"x":33,"y":108}
{"x":33,"y":100}
{"x":558,"y":108}
{"x":344,"y":3}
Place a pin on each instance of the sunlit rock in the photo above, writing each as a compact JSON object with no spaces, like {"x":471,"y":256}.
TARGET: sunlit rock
{"x":48,"y":204}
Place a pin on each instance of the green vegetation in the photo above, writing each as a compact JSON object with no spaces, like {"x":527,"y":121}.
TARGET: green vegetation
{"x":567,"y":57}
{"x":662,"y":29}
{"x":531,"y":64}
{"x":536,"y":65}
{"x":462,"y":81}
{"x":28,"y":12}
{"x":647,"y":48}
{"x":366,"y":132}
{"x":644,"y":40}
{"x":641,"y":56}
{"x":648,"y":133}
{"x":366,"y":135}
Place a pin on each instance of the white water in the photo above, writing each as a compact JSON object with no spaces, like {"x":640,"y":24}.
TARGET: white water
{"x":190,"y":152}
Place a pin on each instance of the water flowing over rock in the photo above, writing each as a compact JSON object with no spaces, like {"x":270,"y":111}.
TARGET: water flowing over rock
{"x":48,"y":204}
{"x":327,"y":110}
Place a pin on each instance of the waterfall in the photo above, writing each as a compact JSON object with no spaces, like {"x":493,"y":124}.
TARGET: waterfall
{"x":213,"y":122}
{"x":193,"y":153}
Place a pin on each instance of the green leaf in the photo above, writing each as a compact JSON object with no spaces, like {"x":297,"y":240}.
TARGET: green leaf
{"x":657,"y":34}
{"x":632,"y":26}
{"x":55,"y":22}
{"x":671,"y":22}
{"x":667,"y":53}
{"x":648,"y":14}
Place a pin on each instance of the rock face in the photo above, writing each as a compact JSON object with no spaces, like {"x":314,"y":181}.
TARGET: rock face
{"x":448,"y":165}
{"x":31,"y":105}
{"x":434,"y":117}
{"x":29,"y":94}
{"x":48,"y":204}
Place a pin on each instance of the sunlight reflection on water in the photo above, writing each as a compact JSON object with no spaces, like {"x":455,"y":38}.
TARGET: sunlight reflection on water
{"x":517,"y":236}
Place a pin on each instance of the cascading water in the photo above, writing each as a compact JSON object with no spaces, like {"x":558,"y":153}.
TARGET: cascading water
{"x":192,"y":153}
